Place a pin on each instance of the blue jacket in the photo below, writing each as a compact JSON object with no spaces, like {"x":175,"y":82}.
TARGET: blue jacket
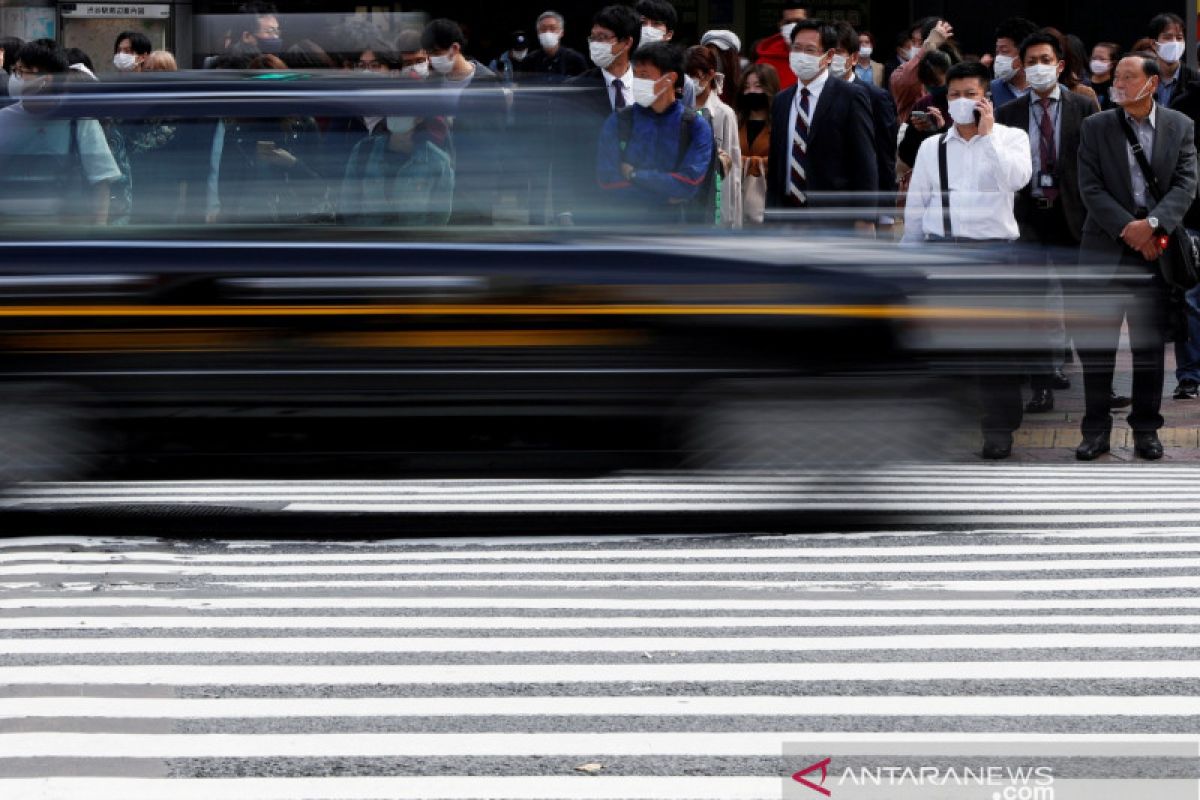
{"x":1002,"y":93}
{"x":385,"y":188}
{"x":663,"y":178}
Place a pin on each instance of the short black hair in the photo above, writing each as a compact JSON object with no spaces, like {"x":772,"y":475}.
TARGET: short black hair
{"x":1162,"y":21}
{"x":384,"y":53}
{"x":254,"y":11}
{"x":839,"y":35}
{"x":969,"y":69}
{"x":659,"y":11}
{"x":1149,"y":65}
{"x":791,"y":6}
{"x":623,"y":21}
{"x":10,"y":45}
{"x":76,"y":56}
{"x":808,"y":25}
{"x":665,"y":56}
{"x":1016,"y":29}
{"x":441,"y":34}
{"x":42,"y":55}
{"x":139,"y":42}
{"x":1042,"y":38}
{"x":933,"y":67}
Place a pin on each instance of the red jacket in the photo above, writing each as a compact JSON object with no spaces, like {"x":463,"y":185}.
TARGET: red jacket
{"x":774,"y":50}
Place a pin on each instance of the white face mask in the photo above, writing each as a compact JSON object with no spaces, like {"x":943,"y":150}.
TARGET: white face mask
{"x":786,"y":31}
{"x":1042,"y":76}
{"x":806,"y":67}
{"x":601,"y":53}
{"x":401,"y":124}
{"x":442,"y":64}
{"x":962,"y":111}
{"x":913,"y":52}
{"x":644,"y":93}
{"x":838,"y":65}
{"x":549,"y":40}
{"x":1004,"y":67}
{"x":124,"y":62}
{"x":1099,"y":67}
{"x":1119,"y":97}
{"x":519,"y":55}
{"x":419,"y":70}
{"x":1170,"y":52}
{"x":865,"y":50}
{"x":651,"y":35}
{"x":688,"y":80}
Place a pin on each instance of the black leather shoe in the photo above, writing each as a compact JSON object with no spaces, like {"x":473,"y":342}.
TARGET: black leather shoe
{"x":1187,"y":389}
{"x":996,"y":446}
{"x":1041,"y":402}
{"x":1092,"y":447}
{"x":1059,"y":380}
{"x":1147,"y":446}
{"x":1119,"y":401}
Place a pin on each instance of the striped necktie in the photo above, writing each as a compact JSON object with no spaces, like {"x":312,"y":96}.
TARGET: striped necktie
{"x":798,"y":159}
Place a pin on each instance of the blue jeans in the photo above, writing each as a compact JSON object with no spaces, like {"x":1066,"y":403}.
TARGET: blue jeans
{"x":1187,"y":351}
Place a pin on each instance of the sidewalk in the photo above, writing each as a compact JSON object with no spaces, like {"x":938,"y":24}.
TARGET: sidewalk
{"x":1053,"y":437}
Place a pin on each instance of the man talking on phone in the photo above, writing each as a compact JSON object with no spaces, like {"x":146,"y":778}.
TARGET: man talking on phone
{"x":985,"y":166}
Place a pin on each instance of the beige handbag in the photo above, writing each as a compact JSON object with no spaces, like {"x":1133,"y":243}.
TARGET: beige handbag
{"x":754,"y":195}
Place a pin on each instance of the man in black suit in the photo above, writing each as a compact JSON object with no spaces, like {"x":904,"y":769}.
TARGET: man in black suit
{"x":580,"y":113}
{"x":1121,"y":252}
{"x":822,"y":134}
{"x":844,"y":41}
{"x":1049,"y":210}
{"x":1170,"y":45}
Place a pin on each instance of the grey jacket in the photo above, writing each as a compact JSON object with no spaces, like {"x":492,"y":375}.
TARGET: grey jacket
{"x":1107,"y":188}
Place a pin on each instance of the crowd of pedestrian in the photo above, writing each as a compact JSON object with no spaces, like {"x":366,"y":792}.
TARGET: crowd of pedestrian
{"x":1085,"y":155}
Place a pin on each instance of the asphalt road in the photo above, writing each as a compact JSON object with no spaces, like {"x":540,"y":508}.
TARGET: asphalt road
{"x":1025,"y":607}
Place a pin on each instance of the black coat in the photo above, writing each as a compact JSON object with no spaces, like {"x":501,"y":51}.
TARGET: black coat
{"x":578,"y":115}
{"x":841,"y":143}
{"x":1075,"y":109}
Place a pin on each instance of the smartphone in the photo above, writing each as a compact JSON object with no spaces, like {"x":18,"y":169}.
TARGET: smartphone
{"x":920,"y":115}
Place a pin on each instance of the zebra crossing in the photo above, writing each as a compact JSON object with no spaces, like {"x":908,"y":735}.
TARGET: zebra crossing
{"x":587,"y":666}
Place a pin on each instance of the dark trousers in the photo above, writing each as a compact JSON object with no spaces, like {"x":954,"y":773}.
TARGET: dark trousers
{"x":1047,"y":231}
{"x":1138,"y":296}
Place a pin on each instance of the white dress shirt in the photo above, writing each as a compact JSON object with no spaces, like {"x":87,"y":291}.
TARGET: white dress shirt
{"x":985,"y":175}
{"x":814,"y":91}
{"x":626,"y":86}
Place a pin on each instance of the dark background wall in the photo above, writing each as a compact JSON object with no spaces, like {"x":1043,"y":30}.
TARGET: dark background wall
{"x":489,"y":23}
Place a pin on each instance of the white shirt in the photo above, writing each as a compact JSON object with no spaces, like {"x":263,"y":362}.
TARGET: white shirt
{"x":626,"y":86}
{"x":985,"y":175}
{"x":814,"y":91}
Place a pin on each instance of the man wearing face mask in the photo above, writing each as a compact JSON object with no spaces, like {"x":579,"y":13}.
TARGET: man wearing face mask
{"x":822,"y":133}
{"x":580,"y":114}
{"x":1170,"y":45}
{"x":1129,"y":210}
{"x":653,"y":162}
{"x":478,"y":108}
{"x":553,"y":62}
{"x":776,"y":48}
{"x":985,"y":166}
{"x":659,"y":19}
{"x":52,"y":170}
{"x":512,"y":61}
{"x":130,"y":50}
{"x":262,"y":27}
{"x":1049,"y":210}
{"x":1010,"y":82}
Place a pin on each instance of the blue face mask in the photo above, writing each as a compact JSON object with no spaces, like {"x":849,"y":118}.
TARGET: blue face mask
{"x":271,"y":45}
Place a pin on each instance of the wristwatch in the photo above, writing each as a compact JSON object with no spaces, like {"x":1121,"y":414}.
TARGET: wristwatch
{"x":1153,"y":223}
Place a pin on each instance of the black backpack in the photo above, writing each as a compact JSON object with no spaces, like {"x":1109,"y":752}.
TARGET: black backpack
{"x":705,"y":207}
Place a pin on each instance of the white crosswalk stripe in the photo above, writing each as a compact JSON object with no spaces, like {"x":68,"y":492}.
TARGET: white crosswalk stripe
{"x":1029,"y":605}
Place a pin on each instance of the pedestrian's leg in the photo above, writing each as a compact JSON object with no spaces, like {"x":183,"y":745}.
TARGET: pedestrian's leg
{"x":1146,"y":314}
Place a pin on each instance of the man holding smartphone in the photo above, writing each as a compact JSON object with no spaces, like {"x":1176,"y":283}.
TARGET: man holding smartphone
{"x":985,"y":166}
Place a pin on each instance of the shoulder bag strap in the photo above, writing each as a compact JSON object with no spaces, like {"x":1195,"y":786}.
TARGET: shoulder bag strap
{"x":944,"y":177}
{"x":1140,"y":155}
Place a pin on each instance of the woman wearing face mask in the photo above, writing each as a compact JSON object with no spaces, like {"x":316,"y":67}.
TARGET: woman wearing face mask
{"x":726,"y":46}
{"x":1100,"y":70}
{"x":701,"y":66}
{"x":760,"y":84}
{"x":401,"y":179}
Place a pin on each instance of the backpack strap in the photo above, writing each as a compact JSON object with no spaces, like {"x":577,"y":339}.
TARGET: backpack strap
{"x":944,"y":178}
{"x":685,"y":133}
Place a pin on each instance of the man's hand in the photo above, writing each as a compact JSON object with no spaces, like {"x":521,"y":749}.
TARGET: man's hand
{"x":987,"y":116}
{"x":1137,"y":234}
{"x":1151,"y":251}
{"x":934,"y":122}
{"x":627,"y":171}
{"x":938,"y":36}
